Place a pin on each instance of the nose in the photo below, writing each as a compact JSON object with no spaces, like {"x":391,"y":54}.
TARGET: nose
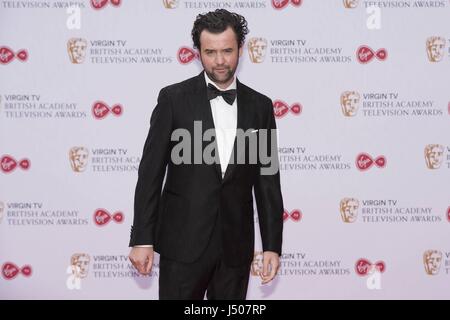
{"x":219,"y":59}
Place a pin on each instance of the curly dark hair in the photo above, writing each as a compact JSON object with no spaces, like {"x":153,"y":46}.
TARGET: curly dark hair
{"x":218,"y":21}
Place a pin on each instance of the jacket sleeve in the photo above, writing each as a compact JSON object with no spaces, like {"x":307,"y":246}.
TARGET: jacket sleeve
{"x":267,"y":189}
{"x":152,"y":168}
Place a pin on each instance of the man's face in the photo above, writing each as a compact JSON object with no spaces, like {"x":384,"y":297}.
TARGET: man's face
{"x":257,"y":49}
{"x":219,"y":54}
{"x":436,"y":49}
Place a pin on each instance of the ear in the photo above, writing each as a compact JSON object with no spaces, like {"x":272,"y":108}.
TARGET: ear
{"x":241,"y":49}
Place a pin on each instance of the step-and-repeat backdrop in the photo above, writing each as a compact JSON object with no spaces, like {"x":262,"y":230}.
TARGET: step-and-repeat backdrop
{"x":361,"y":97}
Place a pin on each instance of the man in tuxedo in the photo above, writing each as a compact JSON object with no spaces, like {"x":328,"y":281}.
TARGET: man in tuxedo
{"x":202,"y":222}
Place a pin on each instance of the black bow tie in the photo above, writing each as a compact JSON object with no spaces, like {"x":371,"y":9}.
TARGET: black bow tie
{"x":227,"y":95}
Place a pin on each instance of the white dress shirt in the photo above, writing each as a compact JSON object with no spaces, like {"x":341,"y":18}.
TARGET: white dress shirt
{"x":225,"y":123}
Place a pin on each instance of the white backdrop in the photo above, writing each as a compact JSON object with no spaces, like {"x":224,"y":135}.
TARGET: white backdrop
{"x":357,"y":226}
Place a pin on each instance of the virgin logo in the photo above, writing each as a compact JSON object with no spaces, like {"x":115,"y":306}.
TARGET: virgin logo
{"x":99,"y":4}
{"x":186,"y":55}
{"x":364,"y":267}
{"x":281,"y":108}
{"x":365,"y":161}
{"x":448,"y":214}
{"x":7,"y":55}
{"x":280,"y":4}
{"x":103,"y":217}
{"x":295,"y":215}
{"x":8,"y":164}
{"x":365,"y":54}
{"x":100,"y":110}
{"x":10,"y":270}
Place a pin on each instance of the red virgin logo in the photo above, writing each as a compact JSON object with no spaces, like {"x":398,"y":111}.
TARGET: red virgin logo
{"x":7,"y":55}
{"x":99,"y":4}
{"x":365,"y":54}
{"x":100,"y":110}
{"x":102,"y":217}
{"x":281,"y":108}
{"x":280,"y":4}
{"x":364,"y":161}
{"x":186,"y":55}
{"x":294,"y":215}
{"x":8,"y":164}
{"x":11,"y":270}
{"x":364,"y":267}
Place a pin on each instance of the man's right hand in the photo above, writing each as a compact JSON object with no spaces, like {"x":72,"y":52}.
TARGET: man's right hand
{"x":142,"y":259}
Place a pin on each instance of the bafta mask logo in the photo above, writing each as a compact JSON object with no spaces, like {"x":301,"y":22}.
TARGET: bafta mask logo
{"x":257,"y":264}
{"x":78,"y":269}
{"x":350,"y":103}
{"x":435,"y":48}
{"x":78,"y":157}
{"x":170,"y":4}
{"x":432,"y":261}
{"x":2,"y":210}
{"x":349,"y":209}
{"x":351,"y":4}
{"x":257,"y":49}
{"x":76,"y":47}
{"x":434,"y":154}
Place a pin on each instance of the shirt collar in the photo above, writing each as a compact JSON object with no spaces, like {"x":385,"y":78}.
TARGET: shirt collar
{"x":231,"y":86}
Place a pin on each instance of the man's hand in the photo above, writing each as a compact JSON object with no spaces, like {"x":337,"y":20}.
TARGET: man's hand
{"x":271,"y":263}
{"x":142,"y":259}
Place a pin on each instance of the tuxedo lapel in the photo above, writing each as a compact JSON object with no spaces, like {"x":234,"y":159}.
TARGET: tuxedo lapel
{"x":242,"y":123}
{"x":202,"y":108}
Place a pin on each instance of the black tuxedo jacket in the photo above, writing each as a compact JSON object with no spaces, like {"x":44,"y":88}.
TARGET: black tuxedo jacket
{"x":179,"y":220}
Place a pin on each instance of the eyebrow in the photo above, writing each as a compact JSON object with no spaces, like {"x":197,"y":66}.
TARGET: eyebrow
{"x":212,"y":50}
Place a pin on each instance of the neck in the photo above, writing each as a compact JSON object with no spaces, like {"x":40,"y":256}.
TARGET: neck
{"x":224,"y":85}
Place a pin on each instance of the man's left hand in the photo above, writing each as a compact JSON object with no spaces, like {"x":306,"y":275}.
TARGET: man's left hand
{"x":271,"y":263}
